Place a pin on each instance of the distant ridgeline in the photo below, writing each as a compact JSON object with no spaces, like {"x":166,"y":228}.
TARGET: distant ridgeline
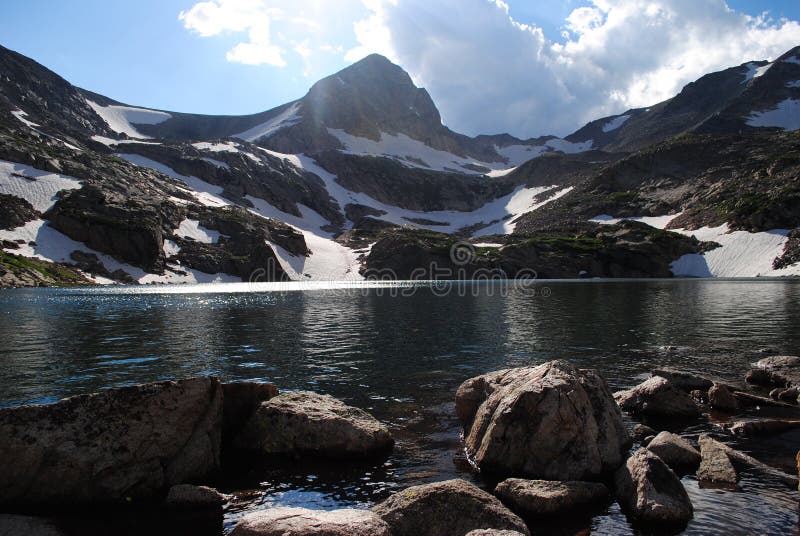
{"x":359,"y":177}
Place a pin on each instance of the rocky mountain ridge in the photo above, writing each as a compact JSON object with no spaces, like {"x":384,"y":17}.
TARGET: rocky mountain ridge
{"x":361,"y":175}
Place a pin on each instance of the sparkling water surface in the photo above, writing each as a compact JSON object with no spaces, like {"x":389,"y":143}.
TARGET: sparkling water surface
{"x":400,"y":352}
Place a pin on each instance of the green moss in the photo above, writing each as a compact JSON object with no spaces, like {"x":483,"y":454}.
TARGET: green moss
{"x":61,"y":275}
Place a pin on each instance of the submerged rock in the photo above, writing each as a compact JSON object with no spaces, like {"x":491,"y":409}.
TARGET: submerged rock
{"x":304,"y":522}
{"x":120,"y":444}
{"x":17,"y":525}
{"x":764,"y":427}
{"x":715,"y":465}
{"x":685,"y":381}
{"x":451,"y":508}
{"x":547,"y":497}
{"x":657,"y":396}
{"x":721,"y":398}
{"x":650,"y":492}
{"x":553,"y":421}
{"x":675,"y":451}
{"x":309,"y":423}
{"x":189,"y":496}
{"x":776,"y":371}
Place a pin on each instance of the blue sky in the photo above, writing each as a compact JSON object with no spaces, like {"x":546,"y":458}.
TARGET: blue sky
{"x":142,"y":53}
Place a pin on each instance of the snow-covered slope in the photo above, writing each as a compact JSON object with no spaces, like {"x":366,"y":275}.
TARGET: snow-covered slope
{"x":291,"y":116}
{"x":742,"y":254}
{"x":121,"y":119}
{"x":785,"y":116}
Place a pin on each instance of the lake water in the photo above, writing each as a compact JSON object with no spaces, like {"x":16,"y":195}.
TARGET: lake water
{"x":400,"y":353}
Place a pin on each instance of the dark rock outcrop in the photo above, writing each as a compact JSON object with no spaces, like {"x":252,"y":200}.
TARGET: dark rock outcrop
{"x":240,"y":401}
{"x":721,"y":398}
{"x":189,"y":496}
{"x":451,"y":508}
{"x":15,"y":211}
{"x":553,"y":421}
{"x":685,"y":381}
{"x":121,"y":444}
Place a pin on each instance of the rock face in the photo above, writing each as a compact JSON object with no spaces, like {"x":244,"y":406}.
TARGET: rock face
{"x":721,"y":398}
{"x":675,"y":451}
{"x":131,"y":442}
{"x":650,"y":492}
{"x":451,"y":508}
{"x":310,"y":423}
{"x":684,"y":381}
{"x":547,"y":497}
{"x":189,"y":496}
{"x":303,"y":522}
{"x":657,"y":396}
{"x":552,"y":421}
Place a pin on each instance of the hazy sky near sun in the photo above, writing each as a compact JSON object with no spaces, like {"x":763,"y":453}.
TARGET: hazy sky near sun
{"x":527,"y":67}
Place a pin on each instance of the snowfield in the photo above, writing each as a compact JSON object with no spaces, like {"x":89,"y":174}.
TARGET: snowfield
{"x":37,"y":187}
{"x":290,"y":116}
{"x":121,"y":119}
{"x":785,"y":116}
{"x":615,"y":123}
{"x":414,"y":153}
{"x":743,"y":254}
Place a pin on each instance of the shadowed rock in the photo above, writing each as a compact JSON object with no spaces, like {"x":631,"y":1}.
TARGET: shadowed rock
{"x":650,"y":492}
{"x":16,"y":525}
{"x":685,"y":381}
{"x":131,"y":442}
{"x":189,"y":496}
{"x":675,"y":451}
{"x":303,"y":522}
{"x":552,"y":422}
{"x":547,"y":497}
{"x":451,"y":508}
{"x":721,"y":398}
{"x":240,"y":401}
{"x":314,"y":424}
{"x":776,"y":371}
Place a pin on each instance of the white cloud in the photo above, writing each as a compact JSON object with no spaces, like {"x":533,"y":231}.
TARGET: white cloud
{"x":490,"y":73}
{"x":303,"y":27}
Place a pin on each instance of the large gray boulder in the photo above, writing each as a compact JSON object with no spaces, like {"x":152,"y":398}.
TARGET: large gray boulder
{"x":303,"y":522}
{"x":552,"y":422}
{"x":121,"y":444}
{"x":451,"y":508}
{"x":657,"y":396}
{"x":313,"y":424}
{"x":675,"y":451}
{"x":548,"y":497}
{"x":650,"y":492}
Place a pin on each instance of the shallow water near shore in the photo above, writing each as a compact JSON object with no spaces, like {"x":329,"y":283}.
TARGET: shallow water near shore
{"x":400,"y":352}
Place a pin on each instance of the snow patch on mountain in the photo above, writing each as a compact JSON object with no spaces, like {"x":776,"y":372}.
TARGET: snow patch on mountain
{"x":521,"y":202}
{"x":743,"y":254}
{"x":755,"y":71}
{"x":516,"y":155}
{"x":796,"y":83}
{"x":290,"y":116}
{"x":206,"y":194}
{"x":121,"y":119}
{"x":226,"y":147}
{"x":659,"y":222}
{"x":192,"y":229}
{"x":19,"y":114}
{"x":786,"y":116}
{"x":792,"y":59}
{"x":111,"y":142}
{"x":37,"y":187}
{"x":615,"y":123}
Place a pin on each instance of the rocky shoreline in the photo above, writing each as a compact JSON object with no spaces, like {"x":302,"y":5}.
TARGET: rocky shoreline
{"x":551,"y":437}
